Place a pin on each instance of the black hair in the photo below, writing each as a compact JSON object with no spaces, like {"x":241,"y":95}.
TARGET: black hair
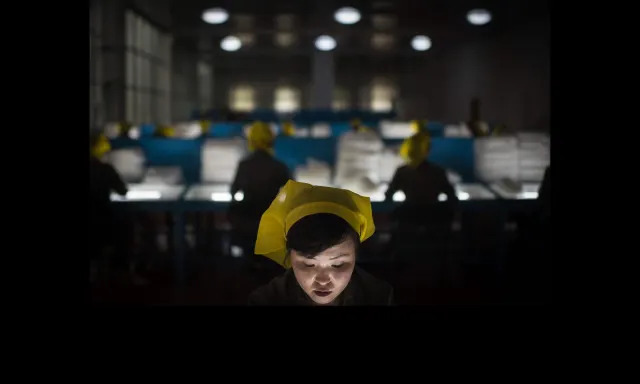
{"x":315,"y":233}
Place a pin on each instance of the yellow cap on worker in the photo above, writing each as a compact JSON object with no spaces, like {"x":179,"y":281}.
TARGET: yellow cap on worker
{"x":101,"y":146}
{"x":297,"y":200}
{"x":416,"y":148}
{"x":260,"y":136}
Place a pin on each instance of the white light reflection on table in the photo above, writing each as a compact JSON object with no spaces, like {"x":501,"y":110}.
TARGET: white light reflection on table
{"x":150,"y":192}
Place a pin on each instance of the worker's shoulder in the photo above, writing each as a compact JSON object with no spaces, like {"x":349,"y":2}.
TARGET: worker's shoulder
{"x":434,"y":168}
{"x":377,"y":291}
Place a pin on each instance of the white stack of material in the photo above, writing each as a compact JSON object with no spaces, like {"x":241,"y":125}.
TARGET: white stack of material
{"x":163,"y":176}
{"x":220,"y":159}
{"x":321,"y":130}
{"x":496,"y":158}
{"x":390,"y":160}
{"x":460,"y":130}
{"x":314,"y":172}
{"x":358,"y":157}
{"x":395,"y":129}
{"x":301,"y":132}
{"x":188,"y":130}
{"x":129,"y":162}
{"x":533,"y":156}
{"x":112,"y":130}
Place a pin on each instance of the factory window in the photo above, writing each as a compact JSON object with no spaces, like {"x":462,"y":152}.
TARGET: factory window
{"x":382,"y":95}
{"x":340,"y":99}
{"x":242,"y":98}
{"x":147,"y":57}
{"x":286,"y":99}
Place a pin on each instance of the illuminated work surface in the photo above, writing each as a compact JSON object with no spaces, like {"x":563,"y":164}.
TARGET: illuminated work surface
{"x":151,"y":192}
{"x":464,"y":192}
{"x":211,"y":192}
{"x":527,"y":191}
{"x":473,"y":191}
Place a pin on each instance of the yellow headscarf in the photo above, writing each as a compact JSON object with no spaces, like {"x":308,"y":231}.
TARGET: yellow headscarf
{"x":101,"y":146}
{"x":205,"y":125}
{"x":260,"y":136}
{"x":357,"y":123}
{"x":288,"y":129}
{"x":166,"y":131}
{"x":297,"y":200}
{"x":415,"y":149}
{"x":418,"y":126}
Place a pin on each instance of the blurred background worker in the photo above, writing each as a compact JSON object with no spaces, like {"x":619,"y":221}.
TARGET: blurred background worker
{"x":288,"y":128}
{"x":258,"y":180}
{"x":418,"y":126}
{"x":422,"y":215}
{"x":421,"y":181}
{"x":108,"y":235}
{"x":357,"y":126}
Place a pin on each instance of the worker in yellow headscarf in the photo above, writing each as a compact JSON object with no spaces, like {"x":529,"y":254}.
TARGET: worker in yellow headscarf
{"x":288,"y":129}
{"x":258,"y":179}
{"x":205,"y":126}
{"x":165,"y":131}
{"x":260,"y":137}
{"x":421,"y":181}
{"x":106,"y":228}
{"x":418,"y":126}
{"x":104,"y":178}
{"x":315,"y":233}
{"x":100,"y":146}
{"x":357,"y":126}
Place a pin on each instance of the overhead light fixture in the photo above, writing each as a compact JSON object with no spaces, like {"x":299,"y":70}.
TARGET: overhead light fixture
{"x":347,"y":15}
{"x":325,"y":43}
{"x":421,"y":43}
{"x":479,"y":16}
{"x":215,"y":16}
{"x":230,"y":43}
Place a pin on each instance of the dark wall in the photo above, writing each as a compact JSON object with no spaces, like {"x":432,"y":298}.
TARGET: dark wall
{"x":509,"y":72}
{"x":510,"y":75}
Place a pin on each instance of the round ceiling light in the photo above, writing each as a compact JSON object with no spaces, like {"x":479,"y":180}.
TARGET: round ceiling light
{"x":479,"y":16}
{"x":325,"y":43}
{"x":215,"y":16}
{"x":421,"y":43}
{"x":347,"y":15}
{"x":230,"y":43}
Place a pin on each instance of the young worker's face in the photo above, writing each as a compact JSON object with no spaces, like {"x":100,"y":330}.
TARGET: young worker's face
{"x":326,"y":275}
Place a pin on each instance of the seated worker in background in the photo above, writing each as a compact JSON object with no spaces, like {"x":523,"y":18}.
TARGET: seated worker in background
{"x":205,"y":127}
{"x":418,"y":126}
{"x":357,"y":126}
{"x":164,"y":131}
{"x":288,"y":129}
{"x":259,"y":177}
{"x":108,"y":235}
{"x":421,"y":181}
{"x":421,"y":223}
{"x":315,"y":233}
